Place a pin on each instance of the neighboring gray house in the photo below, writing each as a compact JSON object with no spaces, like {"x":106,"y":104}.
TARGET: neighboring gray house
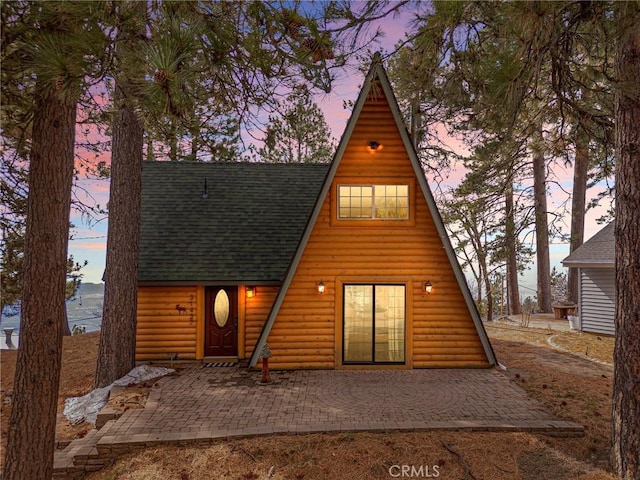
{"x":595,"y":261}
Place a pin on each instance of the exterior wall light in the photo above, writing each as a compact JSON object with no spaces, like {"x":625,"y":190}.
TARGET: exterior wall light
{"x":251,"y":292}
{"x":321,"y":287}
{"x":428,"y":287}
{"x":373,"y":145}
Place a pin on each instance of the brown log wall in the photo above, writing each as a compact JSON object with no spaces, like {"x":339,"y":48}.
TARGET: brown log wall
{"x":256,"y":311}
{"x":162,"y":328}
{"x":440,"y":331}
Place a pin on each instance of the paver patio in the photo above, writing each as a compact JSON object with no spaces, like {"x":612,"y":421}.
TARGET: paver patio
{"x":222,"y":402}
{"x":202,"y":404}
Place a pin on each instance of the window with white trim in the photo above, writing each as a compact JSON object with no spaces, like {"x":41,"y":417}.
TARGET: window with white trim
{"x":373,"y":202}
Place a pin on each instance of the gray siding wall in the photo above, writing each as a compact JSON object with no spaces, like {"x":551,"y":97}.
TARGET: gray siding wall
{"x":597,"y":300}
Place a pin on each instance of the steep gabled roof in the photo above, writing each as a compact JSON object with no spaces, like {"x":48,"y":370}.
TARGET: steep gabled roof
{"x":246,"y":230}
{"x":376,"y":78}
{"x":599,"y":250}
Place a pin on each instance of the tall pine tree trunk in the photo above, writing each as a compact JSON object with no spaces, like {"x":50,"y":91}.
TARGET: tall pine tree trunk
{"x":578,"y":201}
{"x":32,"y":425}
{"x":173,"y":141}
{"x":512,"y":255}
{"x":626,"y":390}
{"x":542,"y":229}
{"x":195,"y":136}
{"x":116,"y":354}
{"x":487,"y":282}
{"x":66,"y":331}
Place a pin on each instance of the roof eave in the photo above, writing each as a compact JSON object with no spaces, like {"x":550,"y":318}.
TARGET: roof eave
{"x":588,"y":263}
{"x":206,"y":283}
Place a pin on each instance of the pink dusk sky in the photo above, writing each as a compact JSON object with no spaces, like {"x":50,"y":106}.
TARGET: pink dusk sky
{"x":89,"y":238}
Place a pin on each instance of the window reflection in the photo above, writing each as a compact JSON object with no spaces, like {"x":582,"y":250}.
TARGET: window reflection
{"x":374,"y":323}
{"x":358,"y":323}
{"x":221,"y":308}
{"x":373,"y":202}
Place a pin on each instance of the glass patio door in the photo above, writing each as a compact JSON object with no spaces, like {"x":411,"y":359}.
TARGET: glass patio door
{"x":374,"y":324}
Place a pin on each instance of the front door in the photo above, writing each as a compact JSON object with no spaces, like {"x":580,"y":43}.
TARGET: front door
{"x":221,"y":322}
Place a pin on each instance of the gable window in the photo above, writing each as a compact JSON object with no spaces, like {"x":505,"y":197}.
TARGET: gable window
{"x":379,"y":202}
{"x":374,"y":324}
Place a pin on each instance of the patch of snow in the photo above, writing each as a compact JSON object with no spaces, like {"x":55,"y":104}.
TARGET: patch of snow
{"x":87,"y":407}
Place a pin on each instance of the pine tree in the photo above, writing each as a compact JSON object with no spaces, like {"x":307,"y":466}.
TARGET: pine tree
{"x":543,"y":264}
{"x":578,"y":204}
{"x":17,"y":114}
{"x":33,"y":417}
{"x":47,"y":50}
{"x":490,"y":67}
{"x":626,"y":390}
{"x":484,"y":218}
{"x":470,"y":221}
{"x":219,"y":67}
{"x":118,"y":325}
{"x":299,"y":134}
{"x":556,"y":68}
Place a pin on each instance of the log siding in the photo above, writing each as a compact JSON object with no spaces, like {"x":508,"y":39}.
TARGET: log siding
{"x":167,"y":325}
{"x":439,"y":328}
{"x":256,"y":312}
{"x":164,"y":330}
{"x":304,"y":328}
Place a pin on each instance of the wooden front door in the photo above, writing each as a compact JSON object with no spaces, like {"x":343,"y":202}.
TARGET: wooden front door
{"x":221,"y":322}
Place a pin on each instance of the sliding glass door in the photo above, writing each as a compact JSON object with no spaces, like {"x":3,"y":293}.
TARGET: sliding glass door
{"x":374,"y":324}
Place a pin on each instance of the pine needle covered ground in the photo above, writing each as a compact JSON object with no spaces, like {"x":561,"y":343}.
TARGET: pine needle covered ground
{"x":570,"y":387}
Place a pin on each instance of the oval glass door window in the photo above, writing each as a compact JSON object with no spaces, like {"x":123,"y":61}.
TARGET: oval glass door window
{"x":221,"y":308}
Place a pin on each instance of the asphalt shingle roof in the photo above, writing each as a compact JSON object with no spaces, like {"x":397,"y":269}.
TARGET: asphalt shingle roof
{"x":599,"y":249}
{"x":247,"y":230}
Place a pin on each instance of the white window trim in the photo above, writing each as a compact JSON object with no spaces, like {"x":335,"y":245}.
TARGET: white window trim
{"x":373,"y":202}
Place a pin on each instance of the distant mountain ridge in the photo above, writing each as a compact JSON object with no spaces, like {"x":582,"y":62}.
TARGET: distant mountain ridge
{"x":84,"y":310}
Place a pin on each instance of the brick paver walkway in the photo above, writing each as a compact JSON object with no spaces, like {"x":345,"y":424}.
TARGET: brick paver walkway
{"x":222,"y":402}
{"x":202,"y":404}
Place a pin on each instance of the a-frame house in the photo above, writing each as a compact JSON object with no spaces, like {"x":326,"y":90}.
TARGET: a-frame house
{"x":391,"y":291}
{"x":340,"y":266}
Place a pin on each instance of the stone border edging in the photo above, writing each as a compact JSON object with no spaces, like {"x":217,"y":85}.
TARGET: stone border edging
{"x":566,"y":350}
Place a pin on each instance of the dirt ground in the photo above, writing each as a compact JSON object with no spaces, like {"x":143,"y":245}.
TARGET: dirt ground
{"x":570,"y":386}
{"x":78,"y":371}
